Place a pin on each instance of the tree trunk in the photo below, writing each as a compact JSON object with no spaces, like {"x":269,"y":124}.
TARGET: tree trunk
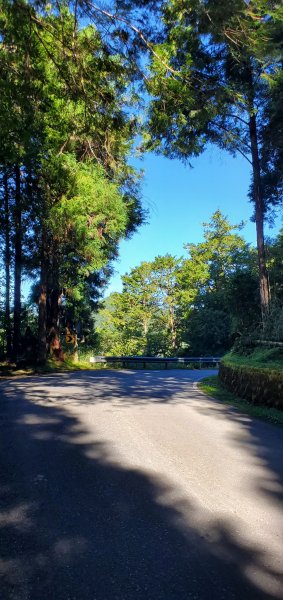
{"x":259,"y":218}
{"x":55,"y":348}
{"x":42,"y":302}
{"x":18,"y":264}
{"x":172,"y":326}
{"x":8,"y":328}
{"x":54,"y":295}
{"x":54,"y":302}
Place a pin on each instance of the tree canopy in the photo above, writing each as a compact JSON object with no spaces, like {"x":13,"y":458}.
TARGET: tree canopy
{"x":67,"y":131}
{"x":77,"y":79}
{"x":198,"y":304}
{"x":212,"y":82}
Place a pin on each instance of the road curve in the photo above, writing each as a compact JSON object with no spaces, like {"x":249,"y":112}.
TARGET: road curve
{"x":133,"y":485}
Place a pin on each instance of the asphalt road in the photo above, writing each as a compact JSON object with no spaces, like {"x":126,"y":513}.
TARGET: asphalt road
{"x":135,"y":486}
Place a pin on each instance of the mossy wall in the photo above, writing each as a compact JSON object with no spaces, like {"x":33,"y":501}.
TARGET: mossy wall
{"x":258,"y":386}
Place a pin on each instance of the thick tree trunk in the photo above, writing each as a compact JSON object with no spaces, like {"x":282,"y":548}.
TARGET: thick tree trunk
{"x":259,"y":218}
{"x":54,"y":292}
{"x":49,"y":306}
{"x":18,"y":264}
{"x":42,"y":303}
{"x":54,"y":302}
{"x":54,"y":295}
{"x":8,"y":328}
{"x":55,"y":348}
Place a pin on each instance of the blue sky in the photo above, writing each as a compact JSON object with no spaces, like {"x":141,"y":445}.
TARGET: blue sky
{"x":179,"y":199}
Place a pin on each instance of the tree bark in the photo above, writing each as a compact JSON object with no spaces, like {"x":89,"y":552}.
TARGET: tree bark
{"x":259,"y":218}
{"x":54,"y":302}
{"x":8,"y":328}
{"x":54,"y":295}
{"x":42,"y":302}
{"x":54,"y":292}
{"x":172,"y":326}
{"x":18,"y":264}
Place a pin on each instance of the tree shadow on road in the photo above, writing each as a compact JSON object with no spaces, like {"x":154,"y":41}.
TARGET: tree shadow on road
{"x":121,"y":387}
{"x":263,"y":441}
{"x":77,"y":525}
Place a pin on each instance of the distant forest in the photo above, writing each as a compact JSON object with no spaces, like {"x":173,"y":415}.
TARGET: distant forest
{"x":199,"y":305}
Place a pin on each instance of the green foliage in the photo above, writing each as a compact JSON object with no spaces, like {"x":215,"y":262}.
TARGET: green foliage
{"x":273,"y":326}
{"x":143,"y":318}
{"x":221,"y":252}
{"x":220,"y":274}
{"x":259,"y":357}
{"x":210,"y":82}
{"x":197,"y":305}
{"x":87,"y":220}
{"x":209,"y":331}
{"x":202,"y":73}
{"x":275,"y":256}
{"x":67,"y":122}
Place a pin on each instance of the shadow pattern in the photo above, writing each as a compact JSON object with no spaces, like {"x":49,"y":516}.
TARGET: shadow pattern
{"x":79,"y":528}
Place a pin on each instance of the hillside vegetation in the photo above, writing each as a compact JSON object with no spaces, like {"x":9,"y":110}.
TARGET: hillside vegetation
{"x":256,"y":376}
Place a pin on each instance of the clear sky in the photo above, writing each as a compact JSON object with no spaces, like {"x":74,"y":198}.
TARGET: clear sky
{"x":179,"y":199}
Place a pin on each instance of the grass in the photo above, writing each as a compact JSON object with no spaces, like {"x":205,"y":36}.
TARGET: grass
{"x":212,"y":387}
{"x":263,"y":358}
{"x":51,"y":366}
{"x":10,"y":370}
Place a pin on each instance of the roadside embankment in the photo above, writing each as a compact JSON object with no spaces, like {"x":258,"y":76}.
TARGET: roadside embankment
{"x":256,"y":376}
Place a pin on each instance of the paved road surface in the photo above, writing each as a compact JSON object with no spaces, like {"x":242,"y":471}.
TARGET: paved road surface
{"x":135,"y":486}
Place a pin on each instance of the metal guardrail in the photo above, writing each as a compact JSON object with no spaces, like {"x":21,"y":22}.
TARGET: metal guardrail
{"x":144,"y":360}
